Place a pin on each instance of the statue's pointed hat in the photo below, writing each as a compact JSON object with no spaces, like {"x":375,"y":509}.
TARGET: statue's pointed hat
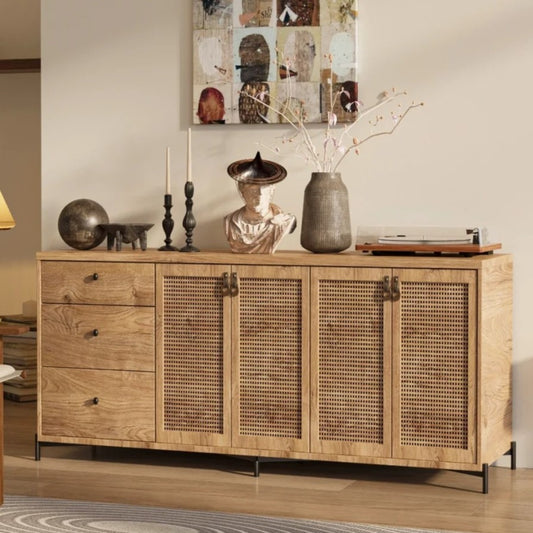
{"x":257,"y":171}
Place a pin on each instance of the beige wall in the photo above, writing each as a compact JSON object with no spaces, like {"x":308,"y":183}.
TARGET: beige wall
{"x":116,"y":88}
{"x":20,"y":156}
{"x":20,"y":182}
{"x":19,"y":29}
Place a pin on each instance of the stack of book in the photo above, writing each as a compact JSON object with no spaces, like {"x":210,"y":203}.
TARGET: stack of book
{"x":20,"y":351}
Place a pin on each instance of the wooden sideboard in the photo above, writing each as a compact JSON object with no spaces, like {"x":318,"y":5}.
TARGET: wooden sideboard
{"x":393,"y":360}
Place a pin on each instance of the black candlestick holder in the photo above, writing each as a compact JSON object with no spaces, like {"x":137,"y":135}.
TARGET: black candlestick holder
{"x":189,"y":222}
{"x":168,"y":225}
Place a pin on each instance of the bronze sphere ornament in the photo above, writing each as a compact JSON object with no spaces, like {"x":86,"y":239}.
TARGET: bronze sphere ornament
{"x":79,"y":224}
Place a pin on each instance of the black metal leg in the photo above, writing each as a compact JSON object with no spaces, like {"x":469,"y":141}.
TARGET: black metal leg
{"x":37,"y":448}
{"x":512,"y":452}
{"x":256,"y":467}
{"x":485,"y":475}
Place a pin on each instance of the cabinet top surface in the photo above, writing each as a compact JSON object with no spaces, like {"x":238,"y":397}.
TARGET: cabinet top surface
{"x":280,"y":258}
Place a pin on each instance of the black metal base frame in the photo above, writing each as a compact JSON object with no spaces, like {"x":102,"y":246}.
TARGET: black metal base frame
{"x":484,"y":474}
{"x":257,"y":460}
{"x":39,"y":444}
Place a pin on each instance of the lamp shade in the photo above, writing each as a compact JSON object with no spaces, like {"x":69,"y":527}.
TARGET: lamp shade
{"x":6,"y":219}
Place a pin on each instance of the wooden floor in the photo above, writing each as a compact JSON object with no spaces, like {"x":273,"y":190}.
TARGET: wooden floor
{"x":324,"y":491}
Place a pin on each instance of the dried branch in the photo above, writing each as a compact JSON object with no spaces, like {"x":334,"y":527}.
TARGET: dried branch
{"x":357,"y":144}
{"x":333,"y":150}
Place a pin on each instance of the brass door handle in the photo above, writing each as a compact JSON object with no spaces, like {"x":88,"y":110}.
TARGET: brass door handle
{"x":396,"y":290}
{"x":387,"y":295}
{"x":234,"y":289}
{"x":226,"y":289}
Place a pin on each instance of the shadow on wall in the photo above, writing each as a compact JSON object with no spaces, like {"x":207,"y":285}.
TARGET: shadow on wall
{"x":29,"y":308}
{"x":210,"y":235}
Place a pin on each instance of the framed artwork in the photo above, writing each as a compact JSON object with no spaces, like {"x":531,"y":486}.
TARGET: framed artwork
{"x":293,"y":53}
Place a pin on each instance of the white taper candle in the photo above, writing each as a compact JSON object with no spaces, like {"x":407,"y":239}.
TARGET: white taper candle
{"x":189,"y":157}
{"x":168,"y":170}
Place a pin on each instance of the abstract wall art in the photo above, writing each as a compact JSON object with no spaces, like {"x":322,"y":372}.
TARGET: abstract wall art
{"x":289,"y":52}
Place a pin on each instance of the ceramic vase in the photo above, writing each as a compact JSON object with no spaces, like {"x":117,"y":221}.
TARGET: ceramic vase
{"x":326,"y":226}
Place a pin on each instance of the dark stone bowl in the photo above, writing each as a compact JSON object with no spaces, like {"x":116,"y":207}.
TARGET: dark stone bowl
{"x":126,"y":233}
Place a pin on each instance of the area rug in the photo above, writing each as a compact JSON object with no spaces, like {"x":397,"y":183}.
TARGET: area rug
{"x":47,"y":515}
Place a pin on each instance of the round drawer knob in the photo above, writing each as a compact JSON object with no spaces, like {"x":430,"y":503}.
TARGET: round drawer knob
{"x":95,"y":276}
{"x":95,"y":400}
{"x":95,"y":333}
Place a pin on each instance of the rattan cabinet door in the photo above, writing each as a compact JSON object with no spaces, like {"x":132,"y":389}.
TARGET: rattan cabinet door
{"x":270,"y":358}
{"x":193,"y":363}
{"x":350,"y":361}
{"x":434,"y":365}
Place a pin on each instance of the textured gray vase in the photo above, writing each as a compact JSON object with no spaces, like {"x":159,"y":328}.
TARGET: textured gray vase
{"x":326,"y":224}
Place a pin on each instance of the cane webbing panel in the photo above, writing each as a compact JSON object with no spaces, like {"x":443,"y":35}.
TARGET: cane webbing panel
{"x":270,"y":358}
{"x":193,"y":354}
{"x":350,"y":345}
{"x":434,"y":364}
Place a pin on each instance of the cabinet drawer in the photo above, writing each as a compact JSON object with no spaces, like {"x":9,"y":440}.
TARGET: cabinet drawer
{"x":99,"y":404}
{"x":97,"y":283}
{"x":97,"y":336}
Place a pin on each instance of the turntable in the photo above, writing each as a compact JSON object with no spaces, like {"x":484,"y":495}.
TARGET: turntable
{"x":436,"y":241}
